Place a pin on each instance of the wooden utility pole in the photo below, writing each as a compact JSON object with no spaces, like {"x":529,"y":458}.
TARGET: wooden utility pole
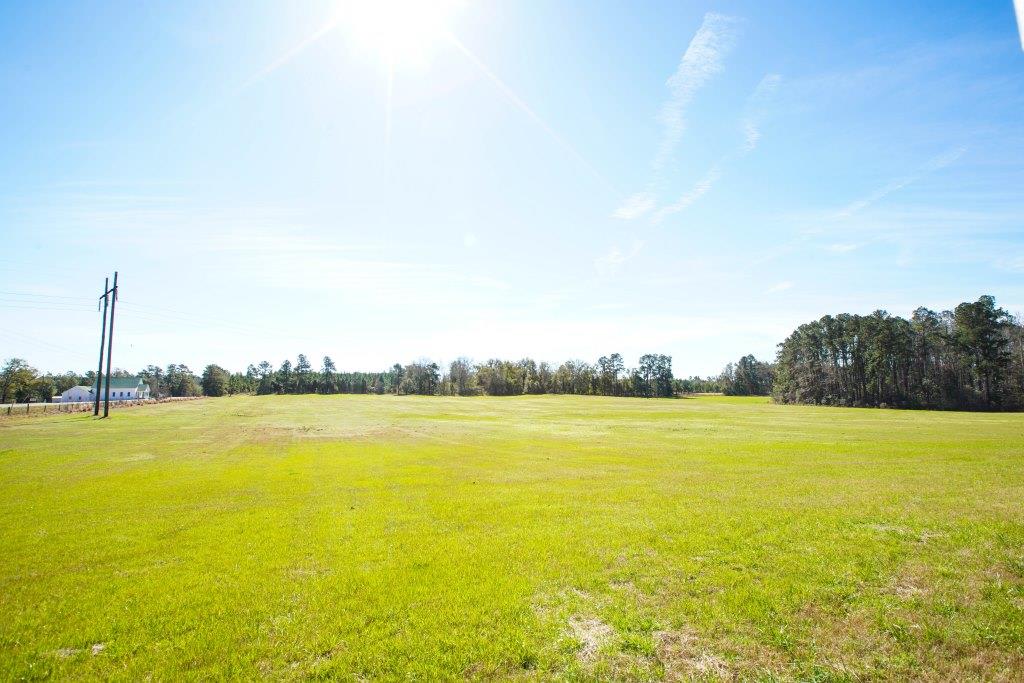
{"x":110,"y":346}
{"x":103,"y":337}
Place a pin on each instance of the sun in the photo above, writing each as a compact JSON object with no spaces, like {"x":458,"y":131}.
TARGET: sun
{"x":399,"y":32}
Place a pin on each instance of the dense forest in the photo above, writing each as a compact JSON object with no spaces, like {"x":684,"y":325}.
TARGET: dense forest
{"x":971,"y":357}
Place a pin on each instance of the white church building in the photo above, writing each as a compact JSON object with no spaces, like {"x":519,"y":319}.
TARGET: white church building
{"x":121,"y":389}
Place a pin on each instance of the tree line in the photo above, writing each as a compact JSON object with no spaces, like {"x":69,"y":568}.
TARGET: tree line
{"x":609,"y":376}
{"x":971,"y":357}
{"x":652,"y":377}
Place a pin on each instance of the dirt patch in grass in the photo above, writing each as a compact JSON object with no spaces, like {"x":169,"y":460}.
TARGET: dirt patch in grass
{"x":684,"y":658}
{"x":984,"y":665}
{"x":911,"y":582}
{"x":848,"y":642}
{"x":592,"y":634}
{"x":907,"y":587}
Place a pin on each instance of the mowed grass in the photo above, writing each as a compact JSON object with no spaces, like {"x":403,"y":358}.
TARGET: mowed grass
{"x":366,"y":537}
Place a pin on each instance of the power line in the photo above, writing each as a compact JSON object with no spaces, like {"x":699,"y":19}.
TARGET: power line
{"x":184,"y":323}
{"x":43,"y":306}
{"x":36,"y":302}
{"x":165,"y":313}
{"x":45,"y":296}
{"x":54,"y":302}
{"x":23,"y":338}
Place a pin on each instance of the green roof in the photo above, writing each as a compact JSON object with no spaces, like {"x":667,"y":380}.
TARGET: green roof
{"x":123,"y":382}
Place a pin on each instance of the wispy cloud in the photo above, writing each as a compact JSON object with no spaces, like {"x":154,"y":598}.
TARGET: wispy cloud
{"x":756,"y":105}
{"x":700,"y":63}
{"x":610,"y":262}
{"x":635,"y":206}
{"x":751,"y":135}
{"x":702,"y":187}
{"x":843,"y":248}
{"x":1013,"y":264}
{"x":779,"y":287}
{"x":932,"y":165}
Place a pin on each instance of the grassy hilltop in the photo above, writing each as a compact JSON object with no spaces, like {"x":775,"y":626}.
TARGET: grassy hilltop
{"x":530,"y":537}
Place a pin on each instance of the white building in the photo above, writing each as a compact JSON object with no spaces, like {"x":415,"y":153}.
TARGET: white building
{"x":77,"y":394}
{"x":121,"y":389}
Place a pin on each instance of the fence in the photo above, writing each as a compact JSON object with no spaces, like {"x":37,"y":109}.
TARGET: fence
{"x":13,"y":409}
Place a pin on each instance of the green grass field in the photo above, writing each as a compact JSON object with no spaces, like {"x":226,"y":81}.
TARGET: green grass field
{"x":527,"y":538}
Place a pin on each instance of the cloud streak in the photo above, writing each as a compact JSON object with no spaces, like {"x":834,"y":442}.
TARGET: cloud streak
{"x":702,"y":187}
{"x":700,"y":63}
{"x":635,"y":206}
{"x":843,"y":247}
{"x":755,"y":107}
{"x":934,"y":164}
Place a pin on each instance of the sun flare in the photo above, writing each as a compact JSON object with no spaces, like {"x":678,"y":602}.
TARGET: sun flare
{"x":400,"y":32}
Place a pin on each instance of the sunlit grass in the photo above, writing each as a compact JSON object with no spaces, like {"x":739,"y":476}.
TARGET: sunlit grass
{"x":529,"y":537}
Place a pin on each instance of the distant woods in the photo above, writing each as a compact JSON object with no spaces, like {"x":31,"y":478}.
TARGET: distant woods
{"x":971,"y":357}
{"x":651,"y":378}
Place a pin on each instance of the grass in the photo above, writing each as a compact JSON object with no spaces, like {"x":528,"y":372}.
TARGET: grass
{"x":527,"y":538}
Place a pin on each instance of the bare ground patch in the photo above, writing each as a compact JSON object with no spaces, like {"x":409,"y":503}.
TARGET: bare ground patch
{"x":911,"y":582}
{"x":684,"y":657}
{"x":592,"y":634}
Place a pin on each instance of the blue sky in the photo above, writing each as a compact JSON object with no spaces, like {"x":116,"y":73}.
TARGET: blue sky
{"x":507,"y":178}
